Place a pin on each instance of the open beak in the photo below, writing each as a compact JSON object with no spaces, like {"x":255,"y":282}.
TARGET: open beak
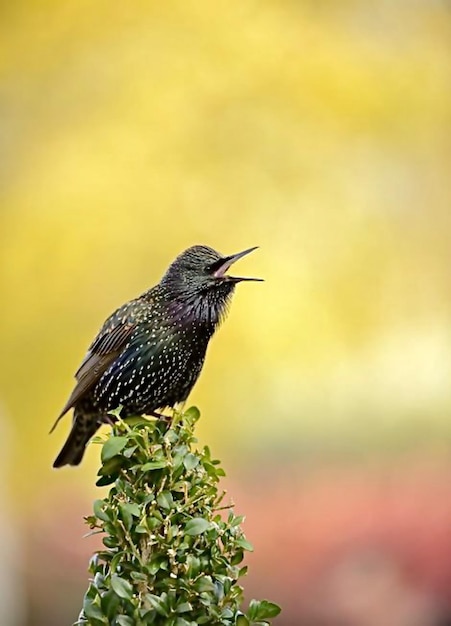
{"x":228,"y":261}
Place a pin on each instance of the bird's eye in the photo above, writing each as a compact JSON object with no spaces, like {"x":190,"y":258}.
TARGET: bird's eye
{"x":215,"y":266}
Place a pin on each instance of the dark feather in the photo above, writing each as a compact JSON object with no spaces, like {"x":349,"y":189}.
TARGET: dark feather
{"x":103,"y":351}
{"x":149,"y":353}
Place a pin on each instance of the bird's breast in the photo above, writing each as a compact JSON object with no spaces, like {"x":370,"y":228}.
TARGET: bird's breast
{"x":158,"y":367}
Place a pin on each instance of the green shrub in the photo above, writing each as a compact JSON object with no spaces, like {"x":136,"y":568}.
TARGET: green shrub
{"x":171,"y":553}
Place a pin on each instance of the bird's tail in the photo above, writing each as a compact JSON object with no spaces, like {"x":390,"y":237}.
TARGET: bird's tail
{"x":83,"y":428}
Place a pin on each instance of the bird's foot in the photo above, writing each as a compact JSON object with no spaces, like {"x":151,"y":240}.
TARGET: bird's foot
{"x":108,"y":419}
{"x":160,"y":416}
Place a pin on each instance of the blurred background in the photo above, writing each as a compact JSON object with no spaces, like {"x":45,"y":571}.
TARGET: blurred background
{"x":318,"y":130}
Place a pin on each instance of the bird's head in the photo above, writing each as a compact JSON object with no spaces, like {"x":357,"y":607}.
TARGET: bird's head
{"x":198,"y":286}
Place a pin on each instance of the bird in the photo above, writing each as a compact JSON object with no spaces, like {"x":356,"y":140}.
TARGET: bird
{"x":149,"y":353}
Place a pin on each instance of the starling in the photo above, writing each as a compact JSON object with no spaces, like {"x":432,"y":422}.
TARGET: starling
{"x":149,"y":353}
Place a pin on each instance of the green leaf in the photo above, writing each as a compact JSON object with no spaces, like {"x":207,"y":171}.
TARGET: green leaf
{"x":116,"y":561}
{"x":93,"y":612}
{"x":109,"y":603}
{"x":184,"y":607}
{"x":263,"y":609}
{"x":242,"y":620}
{"x":157,"y":603}
{"x":204,"y":583}
{"x":165,"y":500}
{"x":159,"y":561}
{"x":153,"y":465}
{"x":126,"y":516}
{"x":112,"y":447}
{"x":171,"y":436}
{"x":109,"y":542}
{"x":105,"y":480}
{"x":129,"y":451}
{"x":193,"y":565}
{"x":243,"y":543}
{"x":99,"y":512}
{"x":237,"y":557}
{"x":141,"y":529}
{"x":192,"y":414}
{"x":116,"y":412}
{"x":132,"y":508}
{"x":197,"y":526}
{"x":121,"y":587}
{"x":111,"y":467}
{"x":153,"y":522}
{"x":125,"y":620}
{"x":135,"y":420}
{"x":99,"y":581}
{"x":190,"y":461}
{"x":270,"y":609}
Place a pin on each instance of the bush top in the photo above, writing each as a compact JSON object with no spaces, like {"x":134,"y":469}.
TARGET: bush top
{"x":172,"y":551}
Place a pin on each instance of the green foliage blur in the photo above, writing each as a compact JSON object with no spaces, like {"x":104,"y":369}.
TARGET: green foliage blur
{"x":169,"y":555}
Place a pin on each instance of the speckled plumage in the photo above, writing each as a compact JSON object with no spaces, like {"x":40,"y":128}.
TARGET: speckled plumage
{"x":149,"y":353}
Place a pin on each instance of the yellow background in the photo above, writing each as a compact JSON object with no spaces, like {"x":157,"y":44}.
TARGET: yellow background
{"x":319,"y":131}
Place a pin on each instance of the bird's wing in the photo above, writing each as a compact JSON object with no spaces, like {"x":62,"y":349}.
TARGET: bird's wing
{"x":108,"y":344}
